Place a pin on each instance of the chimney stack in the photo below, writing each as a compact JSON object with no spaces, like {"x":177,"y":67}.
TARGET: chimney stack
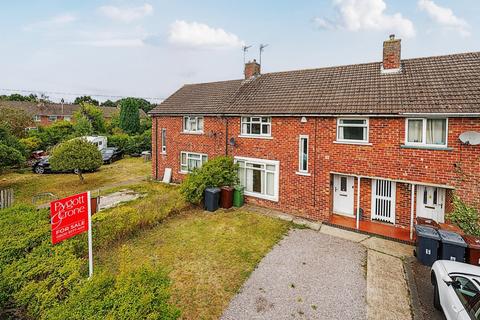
{"x":391,"y":53}
{"x":252,"y":69}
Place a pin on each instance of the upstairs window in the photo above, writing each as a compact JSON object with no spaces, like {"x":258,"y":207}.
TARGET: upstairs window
{"x":193,"y":124}
{"x":52,"y":118}
{"x":352,"y":130}
{"x":190,"y":161}
{"x":256,"y":126}
{"x":37,"y":118}
{"x":428,"y":132}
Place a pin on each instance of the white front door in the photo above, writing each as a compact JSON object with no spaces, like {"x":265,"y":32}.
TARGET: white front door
{"x":343,"y":195}
{"x":431,"y":203}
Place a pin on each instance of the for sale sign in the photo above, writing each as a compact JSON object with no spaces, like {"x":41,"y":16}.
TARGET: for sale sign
{"x":69,"y":216}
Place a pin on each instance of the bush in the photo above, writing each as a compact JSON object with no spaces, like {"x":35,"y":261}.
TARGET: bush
{"x":50,"y":136}
{"x":142,"y":294}
{"x":465,"y":217}
{"x":76,"y":154}
{"x":31,"y":144}
{"x":131,"y":144}
{"x":218,"y":172}
{"x":10,"y":156}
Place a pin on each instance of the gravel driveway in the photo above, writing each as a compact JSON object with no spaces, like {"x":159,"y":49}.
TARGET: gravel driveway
{"x":308,"y":275}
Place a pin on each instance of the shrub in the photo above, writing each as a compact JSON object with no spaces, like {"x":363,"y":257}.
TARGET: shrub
{"x":119,"y":141}
{"x":218,"y":172}
{"x":31,"y":144}
{"x":57,"y":132}
{"x":465,"y":217}
{"x":142,"y":294}
{"x":131,"y":144}
{"x":76,"y":154}
{"x":93,"y":114}
{"x":9,"y":156}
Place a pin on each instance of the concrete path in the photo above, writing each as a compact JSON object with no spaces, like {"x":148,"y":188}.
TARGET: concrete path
{"x":308,"y":275}
{"x":114,"y":199}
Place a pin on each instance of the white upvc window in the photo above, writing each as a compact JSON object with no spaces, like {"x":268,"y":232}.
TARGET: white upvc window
{"x":193,"y":124}
{"x":256,"y":126}
{"x":67,"y":118}
{"x":191,"y":160}
{"x":303,"y":154}
{"x":259,"y":177}
{"x":430,"y":132}
{"x":52,"y":118}
{"x":354,"y":130}
{"x":164,"y":140}
{"x":37,"y":118}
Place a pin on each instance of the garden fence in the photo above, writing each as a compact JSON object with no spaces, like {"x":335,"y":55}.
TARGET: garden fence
{"x":6,"y":198}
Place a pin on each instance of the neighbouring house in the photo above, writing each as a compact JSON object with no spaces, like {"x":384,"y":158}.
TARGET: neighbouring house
{"x":47,"y":113}
{"x":370,"y":145}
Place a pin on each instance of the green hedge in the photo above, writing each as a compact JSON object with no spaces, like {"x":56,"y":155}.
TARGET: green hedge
{"x":466,"y":217}
{"x":36,"y":276}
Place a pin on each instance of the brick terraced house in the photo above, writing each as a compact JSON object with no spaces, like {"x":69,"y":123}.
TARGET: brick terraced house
{"x":369,"y":146}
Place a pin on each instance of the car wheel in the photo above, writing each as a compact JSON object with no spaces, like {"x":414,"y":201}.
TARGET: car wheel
{"x":76,"y":171}
{"x":39,"y":170}
{"x":436,"y":298}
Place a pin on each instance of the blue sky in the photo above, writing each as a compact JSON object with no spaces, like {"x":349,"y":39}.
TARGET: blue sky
{"x":151,"y":48}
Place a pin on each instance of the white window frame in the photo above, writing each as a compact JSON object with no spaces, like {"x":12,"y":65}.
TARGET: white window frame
{"x":243,"y":120}
{"x":37,"y":118}
{"x":424,"y":133}
{"x":193,"y":120}
{"x":188,"y":154}
{"x":163,"y":140}
{"x":52,"y":118}
{"x":300,"y":154}
{"x":366,"y":125}
{"x":276,"y":177}
{"x":67,"y":118}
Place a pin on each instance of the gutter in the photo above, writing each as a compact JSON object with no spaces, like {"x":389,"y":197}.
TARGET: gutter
{"x":379,"y":115}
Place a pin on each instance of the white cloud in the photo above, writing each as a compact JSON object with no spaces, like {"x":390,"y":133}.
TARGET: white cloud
{"x":56,"y":21}
{"x":194,"y":34}
{"x":357,"y":15}
{"x":126,"y":14}
{"x":444,"y":16}
{"x":96,"y":38}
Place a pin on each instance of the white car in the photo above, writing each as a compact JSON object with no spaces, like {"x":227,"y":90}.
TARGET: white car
{"x":456,"y":289}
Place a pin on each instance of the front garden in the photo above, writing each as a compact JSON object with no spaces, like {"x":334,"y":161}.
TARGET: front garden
{"x":155,"y":258}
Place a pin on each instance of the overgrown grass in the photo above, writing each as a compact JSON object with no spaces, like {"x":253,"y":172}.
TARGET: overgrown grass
{"x":28,"y":184}
{"x":208,"y":256}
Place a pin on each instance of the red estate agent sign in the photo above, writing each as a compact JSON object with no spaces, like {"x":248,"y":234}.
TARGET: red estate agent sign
{"x":71,"y":216}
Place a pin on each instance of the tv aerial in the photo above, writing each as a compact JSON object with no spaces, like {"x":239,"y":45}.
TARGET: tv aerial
{"x":262,"y":47}
{"x":245,"y":49}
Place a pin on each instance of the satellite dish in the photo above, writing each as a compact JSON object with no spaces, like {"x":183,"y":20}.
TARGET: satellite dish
{"x":470,"y":137}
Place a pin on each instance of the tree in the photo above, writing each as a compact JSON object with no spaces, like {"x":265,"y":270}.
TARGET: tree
{"x":86,"y":99}
{"x":109,"y":103}
{"x":129,"y":115}
{"x":76,"y":155}
{"x":9,"y":156}
{"x":57,"y":132}
{"x":15,"y":120}
{"x":18,"y":97}
{"x":82,"y":127}
{"x":93,"y":114}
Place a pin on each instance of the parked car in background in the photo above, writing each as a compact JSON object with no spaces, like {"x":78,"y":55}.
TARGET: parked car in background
{"x":42,"y":166}
{"x":456,"y":289}
{"x":110,"y":155}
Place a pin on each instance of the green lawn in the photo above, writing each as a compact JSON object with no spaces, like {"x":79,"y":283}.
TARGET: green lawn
{"x":208,"y":256}
{"x":28,"y":184}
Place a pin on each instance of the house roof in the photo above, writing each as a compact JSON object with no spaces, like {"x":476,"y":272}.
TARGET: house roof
{"x":56,"y":109}
{"x":442,"y":84}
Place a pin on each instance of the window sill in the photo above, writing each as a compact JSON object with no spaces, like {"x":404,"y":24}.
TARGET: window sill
{"x":443,"y":148}
{"x":183,"y":172}
{"x":255,"y":137}
{"x":261,"y":196}
{"x":192,"y":132}
{"x":359,"y":143}
{"x":306,"y":174}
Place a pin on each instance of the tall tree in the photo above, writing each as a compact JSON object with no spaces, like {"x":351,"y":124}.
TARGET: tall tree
{"x":86,"y":99}
{"x":129,"y":115}
{"x":15,"y":120}
{"x":93,"y":114}
{"x":109,"y":103}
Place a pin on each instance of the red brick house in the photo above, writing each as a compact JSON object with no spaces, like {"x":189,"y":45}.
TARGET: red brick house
{"x":374,"y":143}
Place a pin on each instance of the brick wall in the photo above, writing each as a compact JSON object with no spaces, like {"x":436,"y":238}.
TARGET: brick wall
{"x":311,"y":196}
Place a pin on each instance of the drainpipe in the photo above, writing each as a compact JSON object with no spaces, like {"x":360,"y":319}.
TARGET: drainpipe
{"x":412,"y":208}
{"x":358,"y":201}
{"x":226,"y":135}
{"x":156,"y":148}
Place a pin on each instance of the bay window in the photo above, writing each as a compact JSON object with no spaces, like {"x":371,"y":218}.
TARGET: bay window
{"x":256,"y":126}
{"x":259,"y":177}
{"x":428,"y":132}
{"x":191,"y":160}
{"x":193,"y":124}
{"x":352,"y":130}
